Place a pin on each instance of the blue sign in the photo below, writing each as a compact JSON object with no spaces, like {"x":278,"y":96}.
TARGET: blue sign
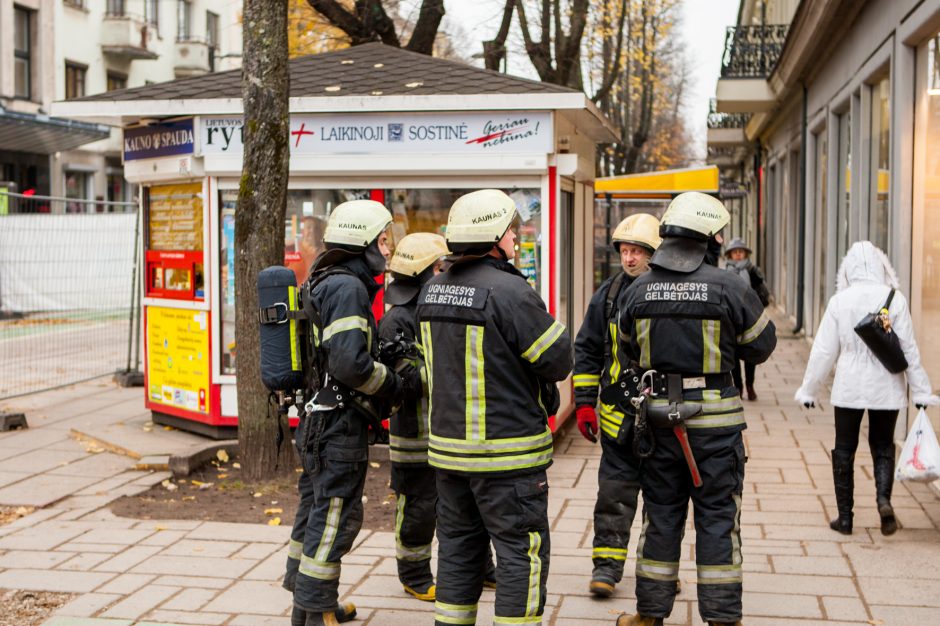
{"x":158,"y":140}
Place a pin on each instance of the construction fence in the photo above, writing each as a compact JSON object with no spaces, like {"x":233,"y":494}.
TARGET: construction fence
{"x":68,"y":291}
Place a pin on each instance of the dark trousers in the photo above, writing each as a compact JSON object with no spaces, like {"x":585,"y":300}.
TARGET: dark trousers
{"x":415,"y":489}
{"x":329,"y":516}
{"x":618,"y":485}
{"x":667,"y":489}
{"x":749,"y":370}
{"x":510,"y":510}
{"x":880,"y":429}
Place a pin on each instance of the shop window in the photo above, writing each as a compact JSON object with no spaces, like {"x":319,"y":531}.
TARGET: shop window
{"x":77,"y":191}
{"x":152,"y":14}
{"x":174,"y":236}
{"x":566,"y":257}
{"x":116,"y":81}
{"x":115,"y":8}
{"x":844,"y":188}
{"x":212,"y":37}
{"x":74,"y":80}
{"x":879,"y":182}
{"x":22,"y":53}
{"x":822,"y":222}
{"x":76,"y":4}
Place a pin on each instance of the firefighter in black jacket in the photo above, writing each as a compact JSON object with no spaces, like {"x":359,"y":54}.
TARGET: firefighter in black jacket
{"x":332,"y":436}
{"x":493,"y":354}
{"x":598,"y":361}
{"x":688,"y":322}
{"x":417,"y":258}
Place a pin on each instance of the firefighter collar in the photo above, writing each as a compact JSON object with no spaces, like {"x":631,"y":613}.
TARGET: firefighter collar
{"x":679,"y":254}
{"x":401,"y":291}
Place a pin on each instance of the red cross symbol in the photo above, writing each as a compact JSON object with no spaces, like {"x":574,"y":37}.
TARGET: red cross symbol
{"x":300,"y":133}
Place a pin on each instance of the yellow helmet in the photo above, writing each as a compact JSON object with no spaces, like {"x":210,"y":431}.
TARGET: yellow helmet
{"x":417,"y":252}
{"x":694,"y":215}
{"x":356,"y":224}
{"x":478,"y":219}
{"x":640,"y":229}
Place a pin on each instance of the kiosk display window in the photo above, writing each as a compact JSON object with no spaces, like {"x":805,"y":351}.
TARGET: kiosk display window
{"x":413,"y":210}
{"x":174,"y":236}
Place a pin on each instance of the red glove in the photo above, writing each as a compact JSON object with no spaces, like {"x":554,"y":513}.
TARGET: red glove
{"x":587,"y":422}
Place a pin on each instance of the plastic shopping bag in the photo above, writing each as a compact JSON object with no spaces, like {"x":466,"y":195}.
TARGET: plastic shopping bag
{"x":920,"y":457}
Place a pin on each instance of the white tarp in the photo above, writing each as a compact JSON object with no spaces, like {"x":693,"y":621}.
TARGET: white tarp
{"x":66,"y":262}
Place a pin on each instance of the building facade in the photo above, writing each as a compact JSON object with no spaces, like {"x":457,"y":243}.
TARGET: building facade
{"x":54,"y":50}
{"x":826,"y":118}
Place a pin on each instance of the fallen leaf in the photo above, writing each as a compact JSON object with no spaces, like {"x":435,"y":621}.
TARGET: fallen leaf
{"x":257,"y":494}
{"x":221,"y":476}
{"x":199,"y":549}
{"x":275,"y":521}
{"x":374,"y":464}
{"x":273,"y":511}
{"x":222,"y":455}
{"x":875,"y":622}
{"x":188,"y":498}
{"x":237,"y":465}
{"x":273,"y":502}
{"x":159,"y":527}
{"x":168,"y":428}
{"x":197,"y":483}
{"x":365,"y":499}
{"x":205,"y":486}
{"x":169,"y":486}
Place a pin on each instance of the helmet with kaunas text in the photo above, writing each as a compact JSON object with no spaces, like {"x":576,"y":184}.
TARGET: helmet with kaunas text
{"x":417,"y":252}
{"x":479,"y":219}
{"x":356,"y":224}
{"x":641,"y":229}
{"x":694,"y":215}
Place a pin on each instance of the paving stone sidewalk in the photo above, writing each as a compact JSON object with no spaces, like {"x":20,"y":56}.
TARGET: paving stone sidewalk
{"x":142,"y":573}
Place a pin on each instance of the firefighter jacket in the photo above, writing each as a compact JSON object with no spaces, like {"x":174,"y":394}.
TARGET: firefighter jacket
{"x":408,"y":428}
{"x":698,"y":325}
{"x":598,"y":359}
{"x":493,"y":354}
{"x":344,"y":336}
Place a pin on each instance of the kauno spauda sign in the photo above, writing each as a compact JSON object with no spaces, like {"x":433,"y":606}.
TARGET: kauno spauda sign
{"x":514,"y":132}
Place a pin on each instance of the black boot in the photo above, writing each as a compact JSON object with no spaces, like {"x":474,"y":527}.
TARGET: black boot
{"x":843,"y":478}
{"x":883,"y":459}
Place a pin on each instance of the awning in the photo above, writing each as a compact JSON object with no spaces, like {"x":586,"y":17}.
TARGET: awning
{"x":41,"y":134}
{"x":666,"y":182}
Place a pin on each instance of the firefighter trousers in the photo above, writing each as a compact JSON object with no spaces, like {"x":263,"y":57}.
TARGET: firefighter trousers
{"x":329,"y":515}
{"x":415,"y":489}
{"x":667,"y":489}
{"x":618,"y":485}
{"x":512,"y":511}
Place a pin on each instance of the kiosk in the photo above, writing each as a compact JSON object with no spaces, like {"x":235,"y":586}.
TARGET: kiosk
{"x":373,"y":121}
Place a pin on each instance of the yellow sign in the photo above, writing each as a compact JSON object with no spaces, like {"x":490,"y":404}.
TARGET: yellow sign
{"x":175,"y":217}
{"x":178,"y":358}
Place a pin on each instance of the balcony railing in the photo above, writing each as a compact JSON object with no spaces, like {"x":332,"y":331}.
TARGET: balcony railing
{"x":726,"y":120}
{"x":752,"y":51}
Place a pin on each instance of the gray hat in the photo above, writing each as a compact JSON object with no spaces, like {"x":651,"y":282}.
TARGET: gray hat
{"x":737,"y":244}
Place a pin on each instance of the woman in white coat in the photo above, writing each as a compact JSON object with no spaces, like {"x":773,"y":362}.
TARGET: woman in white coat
{"x":861,"y":382}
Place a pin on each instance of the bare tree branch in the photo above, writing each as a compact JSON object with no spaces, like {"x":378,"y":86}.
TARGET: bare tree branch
{"x":374,"y":19}
{"x":339,"y":17}
{"x":541,"y":61}
{"x":494,"y":51}
{"x":614,"y":71}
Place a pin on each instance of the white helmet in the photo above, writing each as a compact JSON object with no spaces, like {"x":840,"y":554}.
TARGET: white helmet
{"x":694,"y":214}
{"x":640,"y":229}
{"x":417,"y":252}
{"x":479,"y":219}
{"x":357,"y":223}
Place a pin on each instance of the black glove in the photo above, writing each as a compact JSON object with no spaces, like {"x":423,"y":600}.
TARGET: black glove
{"x":411,"y":387}
{"x":920,"y":406}
{"x":809,"y":405}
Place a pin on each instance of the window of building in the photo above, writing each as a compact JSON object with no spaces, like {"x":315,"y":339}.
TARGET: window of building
{"x":184,"y":20}
{"x":880,"y":180}
{"x":74,"y":80}
{"x":77,"y":4}
{"x":77,"y":190}
{"x":844,"y":188}
{"x":22,"y":53}
{"x":212,"y":37}
{"x":115,"y":8}
{"x":820,"y":193}
{"x":152,"y":14}
{"x":116,"y":81}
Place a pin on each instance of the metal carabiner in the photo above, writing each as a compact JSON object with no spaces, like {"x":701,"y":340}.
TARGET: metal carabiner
{"x":644,"y":385}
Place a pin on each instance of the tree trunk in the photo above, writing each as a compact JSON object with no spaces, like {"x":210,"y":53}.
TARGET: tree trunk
{"x":259,"y":225}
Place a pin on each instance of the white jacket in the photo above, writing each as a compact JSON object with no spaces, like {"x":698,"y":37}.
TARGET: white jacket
{"x":861,"y":382}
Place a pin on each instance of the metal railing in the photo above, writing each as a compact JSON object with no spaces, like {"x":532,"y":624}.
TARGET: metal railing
{"x":726,"y":120}
{"x":752,"y":51}
{"x":69,"y":302}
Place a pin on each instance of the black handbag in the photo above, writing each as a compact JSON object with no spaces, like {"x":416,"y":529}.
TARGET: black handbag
{"x":875,"y":331}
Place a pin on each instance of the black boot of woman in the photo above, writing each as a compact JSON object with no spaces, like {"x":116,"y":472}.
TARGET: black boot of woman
{"x":843,"y":477}
{"x":883,"y":459}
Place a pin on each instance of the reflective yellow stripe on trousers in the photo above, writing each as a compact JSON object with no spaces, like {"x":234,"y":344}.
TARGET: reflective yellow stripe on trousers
{"x":318,"y":566}
{"x":455,"y":613}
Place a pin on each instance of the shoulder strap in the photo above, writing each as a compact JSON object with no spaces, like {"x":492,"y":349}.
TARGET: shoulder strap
{"x":612,"y":292}
{"x":888,"y":301}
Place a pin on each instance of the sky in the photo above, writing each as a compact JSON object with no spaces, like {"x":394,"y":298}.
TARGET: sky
{"x":703,"y":31}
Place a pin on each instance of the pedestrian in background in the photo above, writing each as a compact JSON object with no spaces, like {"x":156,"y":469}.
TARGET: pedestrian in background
{"x":862,"y":383}
{"x":738,"y":260}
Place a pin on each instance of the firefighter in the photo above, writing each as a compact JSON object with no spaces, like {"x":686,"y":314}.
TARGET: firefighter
{"x":417,"y":258}
{"x":494,"y":355}
{"x":332,"y":437}
{"x":688,"y":322}
{"x":598,"y":361}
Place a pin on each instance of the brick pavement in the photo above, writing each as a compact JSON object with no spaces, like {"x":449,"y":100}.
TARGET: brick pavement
{"x":130,"y":572}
